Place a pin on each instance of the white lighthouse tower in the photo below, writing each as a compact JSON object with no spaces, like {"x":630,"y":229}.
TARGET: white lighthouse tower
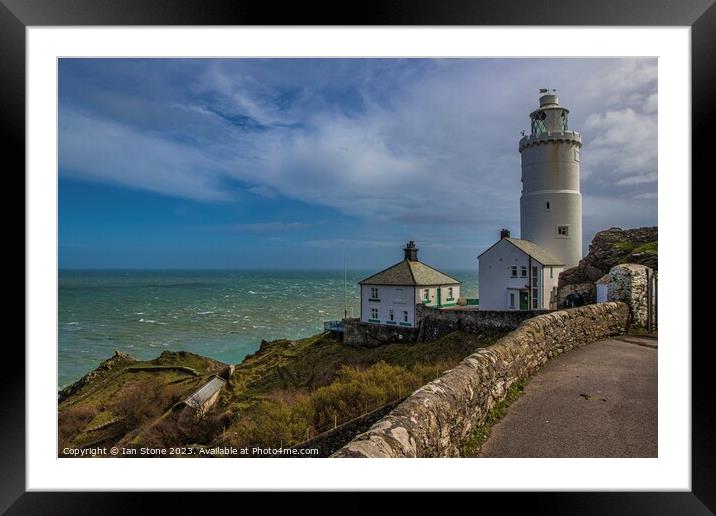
{"x":551,"y":203}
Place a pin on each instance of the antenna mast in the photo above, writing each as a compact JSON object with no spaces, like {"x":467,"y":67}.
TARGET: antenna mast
{"x":345,"y":283}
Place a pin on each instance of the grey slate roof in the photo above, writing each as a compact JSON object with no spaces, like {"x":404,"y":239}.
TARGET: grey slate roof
{"x":410,"y":273}
{"x":535,"y":251}
{"x":200,"y":397}
{"x":541,"y":255}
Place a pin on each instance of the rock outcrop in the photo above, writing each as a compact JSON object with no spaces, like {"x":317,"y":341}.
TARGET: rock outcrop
{"x":120,"y":359}
{"x":612,"y":247}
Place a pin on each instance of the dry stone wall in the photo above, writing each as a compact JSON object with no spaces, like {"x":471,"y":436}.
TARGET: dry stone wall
{"x":437,"y":419}
{"x":628,"y":283}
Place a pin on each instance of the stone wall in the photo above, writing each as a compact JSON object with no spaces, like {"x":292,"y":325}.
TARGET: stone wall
{"x":628,"y":283}
{"x":437,"y":419}
{"x":370,"y":335}
{"x":435,"y":322}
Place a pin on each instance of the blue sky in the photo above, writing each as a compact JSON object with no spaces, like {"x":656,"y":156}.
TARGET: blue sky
{"x":298,"y":163}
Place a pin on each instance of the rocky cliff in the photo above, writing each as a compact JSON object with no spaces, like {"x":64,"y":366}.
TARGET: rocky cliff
{"x":612,"y":247}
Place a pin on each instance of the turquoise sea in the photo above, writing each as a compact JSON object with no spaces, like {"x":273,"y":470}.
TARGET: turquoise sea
{"x":219,"y":314}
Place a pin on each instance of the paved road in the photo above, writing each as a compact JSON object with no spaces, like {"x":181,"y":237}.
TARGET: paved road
{"x":596,"y":401}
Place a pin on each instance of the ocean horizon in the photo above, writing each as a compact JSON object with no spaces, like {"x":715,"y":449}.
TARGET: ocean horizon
{"x":223,"y":314}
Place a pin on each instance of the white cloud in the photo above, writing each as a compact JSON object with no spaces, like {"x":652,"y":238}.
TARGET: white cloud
{"x":388,"y":142}
{"x":108,"y":152}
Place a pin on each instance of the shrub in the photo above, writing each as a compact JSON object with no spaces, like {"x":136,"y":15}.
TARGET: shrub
{"x":72,"y":421}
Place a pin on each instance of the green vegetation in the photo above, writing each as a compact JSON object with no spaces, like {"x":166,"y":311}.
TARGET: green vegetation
{"x":480,"y":434}
{"x":290,"y":417}
{"x":635,"y":248}
{"x":283,"y":394}
{"x":123,"y":395}
{"x":640,"y":331}
{"x":650,"y":247}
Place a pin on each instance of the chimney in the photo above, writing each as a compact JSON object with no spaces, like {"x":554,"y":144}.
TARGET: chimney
{"x":504,"y":233}
{"x":411,"y":252}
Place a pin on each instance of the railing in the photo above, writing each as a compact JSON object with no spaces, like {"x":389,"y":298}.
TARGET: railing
{"x":338,"y":326}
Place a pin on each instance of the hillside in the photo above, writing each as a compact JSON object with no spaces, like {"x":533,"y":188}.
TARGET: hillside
{"x":283,"y":394}
{"x":612,"y":247}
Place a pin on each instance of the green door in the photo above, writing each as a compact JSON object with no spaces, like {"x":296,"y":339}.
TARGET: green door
{"x":439,"y":296}
{"x":524,"y":298}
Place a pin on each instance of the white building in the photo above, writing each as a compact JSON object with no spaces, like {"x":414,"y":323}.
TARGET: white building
{"x":517,"y":275}
{"x":550,"y":217}
{"x":389,"y":297}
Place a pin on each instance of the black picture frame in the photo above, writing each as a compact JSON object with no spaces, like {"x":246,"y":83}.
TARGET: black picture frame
{"x":17,"y":15}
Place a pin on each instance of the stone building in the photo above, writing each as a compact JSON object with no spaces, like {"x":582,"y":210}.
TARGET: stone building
{"x":390,"y":296}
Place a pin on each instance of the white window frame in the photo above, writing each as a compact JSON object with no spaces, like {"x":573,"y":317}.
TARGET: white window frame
{"x":513,"y":271}
{"x":523,"y":271}
{"x":559,"y":229}
{"x":374,"y":293}
{"x":374,"y":313}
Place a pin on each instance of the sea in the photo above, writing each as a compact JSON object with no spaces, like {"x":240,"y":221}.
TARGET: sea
{"x":220,"y":314}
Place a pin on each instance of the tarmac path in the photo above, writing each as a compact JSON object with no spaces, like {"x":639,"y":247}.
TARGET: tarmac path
{"x":596,"y":401}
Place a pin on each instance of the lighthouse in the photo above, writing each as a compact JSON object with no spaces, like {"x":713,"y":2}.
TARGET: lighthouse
{"x":523,"y":273}
{"x":551,"y":202}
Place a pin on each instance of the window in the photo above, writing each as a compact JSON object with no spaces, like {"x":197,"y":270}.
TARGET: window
{"x":405,"y":316}
{"x":535,"y":275}
{"x":450,"y":293}
{"x":551,"y":272}
{"x":547,"y":206}
{"x":563,"y":231}
{"x":391,"y":315}
{"x":374,"y":313}
{"x":523,"y":271}
{"x":426,"y":294}
{"x":374,"y":293}
{"x":538,"y":125}
{"x":534,"y":299}
{"x":512,"y":299}
{"x":514,"y":271}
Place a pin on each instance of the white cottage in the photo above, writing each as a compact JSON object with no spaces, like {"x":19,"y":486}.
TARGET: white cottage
{"x":389,"y":297}
{"x":517,"y":274}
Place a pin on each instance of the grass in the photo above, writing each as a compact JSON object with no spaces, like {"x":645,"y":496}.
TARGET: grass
{"x":294,"y":390}
{"x":640,"y":331}
{"x":129,"y":396}
{"x":632,"y":248}
{"x":282,"y":395}
{"x":480,"y":434}
{"x":308,"y":364}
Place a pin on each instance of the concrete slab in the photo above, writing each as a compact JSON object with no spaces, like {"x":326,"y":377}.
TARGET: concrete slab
{"x":597,"y":401}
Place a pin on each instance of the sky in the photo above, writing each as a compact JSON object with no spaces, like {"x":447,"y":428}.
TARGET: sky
{"x":305,"y":163}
